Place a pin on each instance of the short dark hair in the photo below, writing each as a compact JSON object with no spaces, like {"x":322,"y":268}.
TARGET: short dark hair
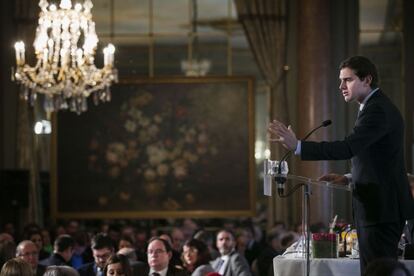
{"x":362,"y":67}
{"x":101,"y":240}
{"x":121,"y":259}
{"x":203,"y":254}
{"x":167,"y":245}
{"x":63,"y":242}
{"x":227,"y":231}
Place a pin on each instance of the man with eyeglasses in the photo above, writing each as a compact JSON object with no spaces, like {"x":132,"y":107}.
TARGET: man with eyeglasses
{"x":159,"y":254}
{"x":27,"y":251}
{"x":102,"y":248}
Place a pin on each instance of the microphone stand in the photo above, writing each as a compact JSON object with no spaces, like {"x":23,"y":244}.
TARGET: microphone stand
{"x":280,"y":180}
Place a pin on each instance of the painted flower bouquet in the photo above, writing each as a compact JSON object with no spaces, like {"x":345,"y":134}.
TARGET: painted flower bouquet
{"x":324,"y":245}
{"x":157,"y":146}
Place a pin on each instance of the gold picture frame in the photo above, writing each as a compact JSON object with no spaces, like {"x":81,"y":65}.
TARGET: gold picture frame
{"x":162,"y":148}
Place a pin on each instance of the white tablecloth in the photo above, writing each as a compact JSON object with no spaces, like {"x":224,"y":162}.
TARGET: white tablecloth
{"x":322,"y":267}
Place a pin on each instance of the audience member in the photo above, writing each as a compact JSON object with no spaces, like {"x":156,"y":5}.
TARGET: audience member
{"x":208,"y":239}
{"x":82,"y":252}
{"x":230,"y":261}
{"x":10,"y":229}
{"x":117,"y":265}
{"x":114,"y":233}
{"x":176,"y":255}
{"x":272,"y":249}
{"x":196,"y":258}
{"x":7,"y":248}
{"x":246,"y":244}
{"x":141,"y":244}
{"x":27,"y":251}
{"x":102,"y":249}
{"x":36,"y":237}
{"x":159,"y":254}
{"x":72,"y":227}
{"x":16,"y":267}
{"x":61,"y":270}
{"x":178,"y":239}
{"x":62,"y":251}
{"x":125,"y":242}
{"x":47,"y":242}
{"x":131,"y":255}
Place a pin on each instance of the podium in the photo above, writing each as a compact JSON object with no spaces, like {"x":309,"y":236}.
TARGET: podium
{"x":292,"y":183}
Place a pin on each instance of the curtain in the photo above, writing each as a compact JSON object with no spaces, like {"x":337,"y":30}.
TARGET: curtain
{"x":265,"y":23}
{"x":25,"y":15}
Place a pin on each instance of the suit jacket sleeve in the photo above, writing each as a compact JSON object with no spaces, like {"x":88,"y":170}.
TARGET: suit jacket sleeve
{"x":239,"y":265}
{"x":372,"y":124}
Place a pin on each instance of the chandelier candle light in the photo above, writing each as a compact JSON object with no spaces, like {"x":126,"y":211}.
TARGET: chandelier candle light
{"x":65,"y":72}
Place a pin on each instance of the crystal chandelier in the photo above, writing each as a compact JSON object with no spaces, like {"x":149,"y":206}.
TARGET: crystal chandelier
{"x":65,"y":72}
{"x":194,"y":67}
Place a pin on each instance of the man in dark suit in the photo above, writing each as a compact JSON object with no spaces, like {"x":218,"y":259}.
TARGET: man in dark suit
{"x":102,"y":248}
{"x":27,"y":250}
{"x":230,"y":262}
{"x":62,"y":251}
{"x":159,"y":253}
{"x":381,"y":197}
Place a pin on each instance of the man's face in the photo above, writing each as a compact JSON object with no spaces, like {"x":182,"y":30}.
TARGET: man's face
{"x":352,"y":88}
{"x":37,"y":239}
{"x":158,"y":257}
{"x":225,"y":242}
{"x":30,"y":254}
{"x":101,"y":255}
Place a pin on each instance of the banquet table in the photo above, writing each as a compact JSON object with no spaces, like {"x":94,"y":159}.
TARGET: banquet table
{"x":284,"y":266}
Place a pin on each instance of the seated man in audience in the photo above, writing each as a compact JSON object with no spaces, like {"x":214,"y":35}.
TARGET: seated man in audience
{"x":230,"y":261}
{"x":159,"y":254}
{"x":28,"y":251}
{"x":62,"y":251}
{"x":136,"y":265}
{"x":102,"y":248}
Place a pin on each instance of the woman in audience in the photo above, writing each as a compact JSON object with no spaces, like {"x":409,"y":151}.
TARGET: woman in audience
{"x":196,"y":257}
{"x":16,"y":267}
{"x":36,"y":237}
{"x":62,"y":270}
{"x":117,"y":265}
{"x":7,"y":249}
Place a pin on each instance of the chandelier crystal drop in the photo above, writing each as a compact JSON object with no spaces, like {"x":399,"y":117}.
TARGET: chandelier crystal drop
{"x":65,"y":72}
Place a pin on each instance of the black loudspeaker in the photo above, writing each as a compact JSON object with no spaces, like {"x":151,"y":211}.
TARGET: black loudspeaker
{"x":14,"y":186}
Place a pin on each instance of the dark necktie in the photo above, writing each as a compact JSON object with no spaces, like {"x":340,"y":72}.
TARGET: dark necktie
{"x":219,"y":265}
{"x":156,"y":274}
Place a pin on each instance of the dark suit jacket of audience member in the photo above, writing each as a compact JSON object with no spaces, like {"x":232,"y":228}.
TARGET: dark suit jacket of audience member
{"x":265,"y":261}
{"x":172,"y":271}
{"x":40,"y":270}
{"x":88,"y":269}
{"x":252,"y":251}
{"x":43,"y":255}
{"x":54,"y":259}
{"x":237,"y":265}
{"x":137,"y":267}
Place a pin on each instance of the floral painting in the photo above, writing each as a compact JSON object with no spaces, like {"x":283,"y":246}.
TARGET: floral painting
{"x":161,"y":147}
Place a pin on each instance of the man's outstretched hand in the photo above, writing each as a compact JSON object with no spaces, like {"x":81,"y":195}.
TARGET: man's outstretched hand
{"x":282,"y":134}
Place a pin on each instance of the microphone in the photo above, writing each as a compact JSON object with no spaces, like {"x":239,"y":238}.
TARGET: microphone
{"x":279,"y":178}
